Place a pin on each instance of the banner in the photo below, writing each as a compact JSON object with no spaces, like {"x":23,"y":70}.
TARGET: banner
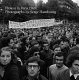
{"x":33,"y":23}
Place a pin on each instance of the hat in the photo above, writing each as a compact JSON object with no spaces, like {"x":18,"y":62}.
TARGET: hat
{"x":35,"y":59}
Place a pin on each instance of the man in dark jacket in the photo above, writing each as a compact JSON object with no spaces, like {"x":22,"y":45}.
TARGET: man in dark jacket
{"x":33,"y":69}
{"x":46,"y":55}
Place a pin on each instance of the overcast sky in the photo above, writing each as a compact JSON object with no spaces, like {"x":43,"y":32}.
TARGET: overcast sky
{"x":77,"y":1}
{"x":38,"y":0}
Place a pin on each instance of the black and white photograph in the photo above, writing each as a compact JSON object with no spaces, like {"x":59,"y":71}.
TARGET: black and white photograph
{"x":39,"y":39}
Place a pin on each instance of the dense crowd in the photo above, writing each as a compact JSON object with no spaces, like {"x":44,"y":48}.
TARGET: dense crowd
{"x":46,"y":50}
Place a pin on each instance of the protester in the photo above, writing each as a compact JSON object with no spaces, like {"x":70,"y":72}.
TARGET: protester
{"x":64,"y":44}
{"x":56,"y":49}
{"x":59,"y":66}
{"x":33,"y":65}
{"x":76,"y":47}
{"x":47,"y":55}
{"x":73,"y":64}
{"x":8,"y":67}
{"x":41,"y":42}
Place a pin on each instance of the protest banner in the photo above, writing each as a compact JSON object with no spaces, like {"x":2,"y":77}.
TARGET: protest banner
{"x":33,"y":23}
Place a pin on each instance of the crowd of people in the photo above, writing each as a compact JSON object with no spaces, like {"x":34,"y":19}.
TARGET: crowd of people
{"x":48,"y":53}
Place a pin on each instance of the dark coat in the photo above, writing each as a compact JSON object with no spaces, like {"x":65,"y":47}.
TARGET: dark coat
{"x":47,"y":57}
{"x":11,"y":73}
{"x":41,"y":77}
{"x":65,"y":75}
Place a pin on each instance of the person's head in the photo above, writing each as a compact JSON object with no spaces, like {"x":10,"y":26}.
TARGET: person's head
{"x":11,"y":43}
{"x":64,"y":43}
{"x":59,"y":59}
{"x":73,"y":62}
{"x":56,"y":48}
{"x":37,"y":54}
{"x":6,"y":56}
{"x":34,"y":43}
{"x":5,"y":41}
{"x":20,"y":35}
{"x":33,"y":66}
{"x":45,"y":45}
{"x":38,"y":37}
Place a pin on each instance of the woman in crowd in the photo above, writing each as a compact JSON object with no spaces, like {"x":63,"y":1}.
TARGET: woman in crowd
{"x":8,"y":67}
